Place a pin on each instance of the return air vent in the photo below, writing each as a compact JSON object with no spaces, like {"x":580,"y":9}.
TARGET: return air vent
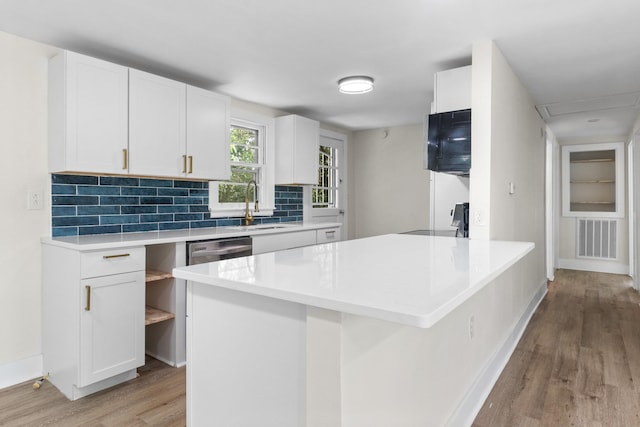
{"x":597,"y":238}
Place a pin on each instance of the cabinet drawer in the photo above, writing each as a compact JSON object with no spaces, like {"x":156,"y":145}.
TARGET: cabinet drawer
{"x":328,"y":235}
{"x":113,"y":261}
{"x":280,"y":241}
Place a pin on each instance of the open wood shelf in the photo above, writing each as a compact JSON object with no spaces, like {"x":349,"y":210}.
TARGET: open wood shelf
{"x":593,"y":203}
{"x":594,"y":181}
{"x":153,"y":315}
{"x":153,"y":275}
{"x":592,"y":160}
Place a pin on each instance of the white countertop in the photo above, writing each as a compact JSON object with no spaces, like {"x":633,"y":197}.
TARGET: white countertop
{"x":407,"y":279}
{"x":121,"y":240}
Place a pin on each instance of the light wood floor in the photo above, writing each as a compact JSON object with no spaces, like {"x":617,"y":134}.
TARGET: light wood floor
{"x":578,"y":363}
{"x":155,"y":398}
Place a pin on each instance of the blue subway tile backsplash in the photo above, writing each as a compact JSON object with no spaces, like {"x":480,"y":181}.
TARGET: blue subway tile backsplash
{"x":84,"y":205}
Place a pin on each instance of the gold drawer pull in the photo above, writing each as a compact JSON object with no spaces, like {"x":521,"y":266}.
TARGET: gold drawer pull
{"x":88,"y":306}
{"x":125,"y":154}
{"x":184,"y":163}
{"x":116,"y":256}
{"x":190,"y":164}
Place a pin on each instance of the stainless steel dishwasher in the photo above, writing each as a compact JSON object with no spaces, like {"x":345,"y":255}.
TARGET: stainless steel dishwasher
{"x":202,"y":251}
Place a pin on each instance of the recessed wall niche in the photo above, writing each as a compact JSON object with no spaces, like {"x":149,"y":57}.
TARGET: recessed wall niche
{"x":593,"y":180}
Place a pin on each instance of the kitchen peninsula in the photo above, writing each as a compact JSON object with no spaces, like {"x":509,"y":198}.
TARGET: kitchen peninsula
{"x":387,"y":330}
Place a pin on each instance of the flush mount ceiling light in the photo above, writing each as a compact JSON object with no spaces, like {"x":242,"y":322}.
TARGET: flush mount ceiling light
{"x":355,"y":84}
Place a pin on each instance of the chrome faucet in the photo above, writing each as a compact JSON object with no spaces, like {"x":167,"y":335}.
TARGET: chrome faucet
{"x":248,"y":218}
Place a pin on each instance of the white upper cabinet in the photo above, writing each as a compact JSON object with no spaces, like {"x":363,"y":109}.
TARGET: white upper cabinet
{"x":106,"y":118}
{"x":452,"y":90}
{"x":296,"y":150}
{"x":157,"y":125}
{"x":207,"y":135}
{"x":88,"y":104}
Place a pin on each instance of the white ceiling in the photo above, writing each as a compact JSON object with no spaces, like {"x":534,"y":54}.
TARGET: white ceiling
{"x":289,"y":54}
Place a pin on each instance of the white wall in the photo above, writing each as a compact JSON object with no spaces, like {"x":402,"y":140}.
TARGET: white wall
{"x":23,"y":132}
{"x":389,"y":188}
{"x":634,"y":204}
{"x":508,"y":147}
{"x":567,"y":230}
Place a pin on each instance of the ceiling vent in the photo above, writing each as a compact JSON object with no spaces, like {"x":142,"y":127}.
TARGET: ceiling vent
{"x":609,"y":102}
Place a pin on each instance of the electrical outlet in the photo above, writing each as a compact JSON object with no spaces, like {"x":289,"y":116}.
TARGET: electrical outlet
{"x":472,"y":326}
{"x":35,"y":200}
{"x":479,"y":217}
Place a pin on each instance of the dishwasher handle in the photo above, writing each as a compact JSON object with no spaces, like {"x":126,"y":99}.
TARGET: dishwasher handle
{"x":221,"y":251}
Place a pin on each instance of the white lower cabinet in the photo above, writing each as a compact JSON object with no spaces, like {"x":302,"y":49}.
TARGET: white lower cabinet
{"x":111,"y":326}
{"x":93,"y":317}
{"x":327,"y":235}
{"x":279,"y":241}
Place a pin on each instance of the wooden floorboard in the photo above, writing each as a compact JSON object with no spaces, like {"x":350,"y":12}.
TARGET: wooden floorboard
{"x":155,"y":398}
{"x":578,"y":362}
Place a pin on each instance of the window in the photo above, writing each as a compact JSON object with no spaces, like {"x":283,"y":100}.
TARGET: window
{"x":246,"y":164}
{"x":325,"y":194}
{"x":248,"y":152}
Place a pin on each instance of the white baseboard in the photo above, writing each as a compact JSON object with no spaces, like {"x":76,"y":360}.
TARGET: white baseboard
{"x":20,"y":371}
{"x":468,"y":409}
{"x":594,"y":265}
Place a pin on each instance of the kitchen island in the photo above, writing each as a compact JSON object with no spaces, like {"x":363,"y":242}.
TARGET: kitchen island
{"x":388,"y":330}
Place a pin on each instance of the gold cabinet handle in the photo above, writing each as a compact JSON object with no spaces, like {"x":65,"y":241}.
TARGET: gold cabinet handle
{"x":125,"y":155}
{"x":116,"y":256}
{"x":184,"y":163}
{"x":190,"y":164}
{"x":88,"y":306}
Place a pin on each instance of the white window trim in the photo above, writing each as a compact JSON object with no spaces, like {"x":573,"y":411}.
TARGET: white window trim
{"x":340,"y":141}
{"x":266,"y":196}
{"x":328,"y":214}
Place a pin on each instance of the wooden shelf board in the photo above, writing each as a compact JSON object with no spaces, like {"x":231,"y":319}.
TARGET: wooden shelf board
{"x":593,"y":161}
{"x":153,"y":275}
{"x":593,"y":203}
{"x":594,"y":181}
{"x":153,"y":315}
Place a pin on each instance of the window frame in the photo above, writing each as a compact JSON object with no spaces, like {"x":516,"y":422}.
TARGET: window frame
{"x":341,"y":200}
{"x":337,"y":161}
{"x":266,"y":191}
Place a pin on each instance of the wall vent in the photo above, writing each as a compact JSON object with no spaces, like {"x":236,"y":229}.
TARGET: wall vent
{"x":597,"y":238}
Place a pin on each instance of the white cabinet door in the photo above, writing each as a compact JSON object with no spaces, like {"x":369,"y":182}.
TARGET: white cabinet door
{"x":453,"y":89}
{"x":207,"y":135}
{"x":111,"y":326}
{"x":88,"y":114}
{"x":296,"y":150}
{"x":156,"y":125}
